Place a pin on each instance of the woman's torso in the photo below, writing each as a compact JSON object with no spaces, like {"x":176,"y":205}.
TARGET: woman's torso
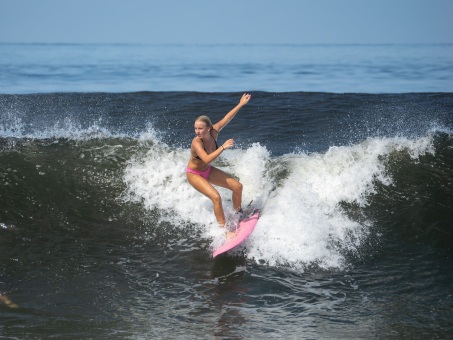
{"x":209,"y":146}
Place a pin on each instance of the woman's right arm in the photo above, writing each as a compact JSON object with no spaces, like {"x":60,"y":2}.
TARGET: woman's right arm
{"x":209,"y":158}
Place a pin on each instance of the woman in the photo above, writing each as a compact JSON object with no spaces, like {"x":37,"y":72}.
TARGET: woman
{"x":204,"y":150}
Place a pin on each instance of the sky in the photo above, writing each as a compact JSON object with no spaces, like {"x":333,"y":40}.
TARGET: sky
{"x":227,"y":22}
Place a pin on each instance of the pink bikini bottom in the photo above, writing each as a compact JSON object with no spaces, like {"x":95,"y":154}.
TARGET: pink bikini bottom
{"x":204,"y":174}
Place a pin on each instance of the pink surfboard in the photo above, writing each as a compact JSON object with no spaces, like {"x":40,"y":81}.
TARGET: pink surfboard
{"x":244,"y":229}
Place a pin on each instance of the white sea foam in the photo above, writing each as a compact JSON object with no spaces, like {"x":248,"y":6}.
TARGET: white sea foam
{"x":301,"y":222}
{"x":14,"y":127}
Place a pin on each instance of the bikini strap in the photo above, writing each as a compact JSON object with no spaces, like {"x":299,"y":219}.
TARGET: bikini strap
{"x":203,"y":144}
{"x":215,"y":140}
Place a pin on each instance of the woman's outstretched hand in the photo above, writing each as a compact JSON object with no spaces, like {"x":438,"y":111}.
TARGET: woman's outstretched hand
{"x":245,"y":98}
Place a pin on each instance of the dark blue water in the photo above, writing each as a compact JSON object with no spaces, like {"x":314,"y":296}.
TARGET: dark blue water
{"x":101,"y":236}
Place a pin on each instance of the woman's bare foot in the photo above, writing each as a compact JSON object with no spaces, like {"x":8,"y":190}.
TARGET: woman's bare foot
{"x":230,"y":234}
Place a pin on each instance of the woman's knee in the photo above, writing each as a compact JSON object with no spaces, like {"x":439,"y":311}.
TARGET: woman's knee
{"x":237,"y":187}
{"x":216,"y":198}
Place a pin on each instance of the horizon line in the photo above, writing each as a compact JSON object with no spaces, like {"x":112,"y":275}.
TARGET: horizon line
{"x":223,"y":44}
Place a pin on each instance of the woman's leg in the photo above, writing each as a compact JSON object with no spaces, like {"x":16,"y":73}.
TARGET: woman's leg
{"x":203,"y":186}
{"x":220,"y":178}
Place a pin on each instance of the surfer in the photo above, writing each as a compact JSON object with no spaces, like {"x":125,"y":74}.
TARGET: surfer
{"x":203,"y":151}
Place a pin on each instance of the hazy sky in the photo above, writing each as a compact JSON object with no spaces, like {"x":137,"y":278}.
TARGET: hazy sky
{"x":227,"y":21}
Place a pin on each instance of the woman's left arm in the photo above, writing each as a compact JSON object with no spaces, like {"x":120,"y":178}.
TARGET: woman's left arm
{"x":230,"y":115}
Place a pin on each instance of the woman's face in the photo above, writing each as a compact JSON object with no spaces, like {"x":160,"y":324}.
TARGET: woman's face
{"x":201,"y":130}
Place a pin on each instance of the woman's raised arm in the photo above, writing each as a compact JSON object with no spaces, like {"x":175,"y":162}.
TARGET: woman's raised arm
{"x":230,"y":115}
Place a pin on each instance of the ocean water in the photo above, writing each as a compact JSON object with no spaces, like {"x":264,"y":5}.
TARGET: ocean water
{"x":351,"y":166}
{"x":225,"y":68}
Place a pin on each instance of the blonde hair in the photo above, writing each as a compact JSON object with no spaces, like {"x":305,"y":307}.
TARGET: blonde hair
{"x":204,"y":119}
